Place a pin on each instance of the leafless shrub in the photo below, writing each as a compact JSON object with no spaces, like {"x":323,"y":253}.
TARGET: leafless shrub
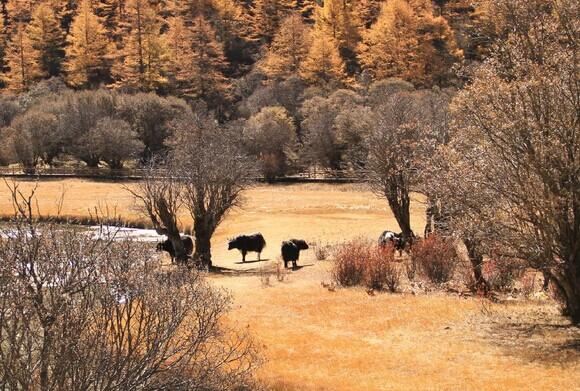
{"x":360,"y":262}
{"x":437,"y":258}
{"x":381,"y":270}
{"x":98,"y":314}
{"x":321,"y":251}
{"x":349,"y":258}
{"x":528,"y":284}
{"x":501,"y":273}
{"x":411,"y":268}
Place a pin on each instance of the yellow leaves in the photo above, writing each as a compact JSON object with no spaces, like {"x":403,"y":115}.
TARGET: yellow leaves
{"x":407,"y":41}
{"x":89,"y":51}
{"x":144,"y":55}
{"x":288,"y":49}
{"x":21,"y":57}
{"x":323,"y":63}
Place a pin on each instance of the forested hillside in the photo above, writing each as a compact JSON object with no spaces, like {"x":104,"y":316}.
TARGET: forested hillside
{"x":199,"y":49}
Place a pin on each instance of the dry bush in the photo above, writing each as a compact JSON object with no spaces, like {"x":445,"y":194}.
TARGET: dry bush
{"x":501,"y":274}
{"x":321,"y":251}
{"x":349,"y":260}
{"x":381,"y":269}
{"x":411,"y":268}
{"x":98,"y":314}
{"x":437,"y":258}
{"x":360,"y":262}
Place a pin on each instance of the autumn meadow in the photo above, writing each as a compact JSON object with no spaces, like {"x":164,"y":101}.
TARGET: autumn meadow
{"x":289,"y":195}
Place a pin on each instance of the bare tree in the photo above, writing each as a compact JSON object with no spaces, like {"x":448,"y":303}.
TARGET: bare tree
{"x":116,"y":141}
{"x":518,"y":121}
{"x":396,"y":147}
{"x":214,"y":170}
{"x":80,"y":313}
{"x":160,"y":199}
{"x":270,"y":135}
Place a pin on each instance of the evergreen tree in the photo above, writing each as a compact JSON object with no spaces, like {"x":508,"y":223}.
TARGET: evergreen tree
{"x":88,"y":54}
{"x":323,"y":63}
{"x":336,"y":20}
{"x":288,"y":49}
{"x":48,"y":39}
{"x":409,"y":42}
{"x":21,"y":58}
{"x":267,"y":17}
{"x":366,"y":12}
{"x":143,"y":56}
{"x":389,"y":48}
{"x":196,"y":61}
{"x":20,"y":11}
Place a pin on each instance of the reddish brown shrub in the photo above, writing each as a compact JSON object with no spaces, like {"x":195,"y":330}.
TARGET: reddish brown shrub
{"x":349,"y":260}
{"x":359,"y":262}
{"x":381,"y":270}
{"x":437,"y":258}
{"x":501,"y":273}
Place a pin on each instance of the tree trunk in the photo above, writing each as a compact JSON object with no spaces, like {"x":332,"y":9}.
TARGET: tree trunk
{"x":202,"y":253}
{"x":429,"y":219}
{"x":476,"y":259}
{"x":399,"y":201}
{"x":567,"y":283}
{"x":178,"y":248}
{"x":45,"y":358}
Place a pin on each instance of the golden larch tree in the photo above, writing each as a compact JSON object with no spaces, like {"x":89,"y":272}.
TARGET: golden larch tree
{"x":335,"y":18}
{"x":323,"y":63}
{"x":21,"y":58}
{"x":196,"y":61}
{"x":143,"y":57}
{"x":114,"y":14}
{"x":267,"y":17}
{"x":409,"y":42}
{"x":88,"y":53}
{"x":232,"y":24}
{"x":288,"y":49}
{"x":20,"y":11}
{"x":47,"y":38}
{"x":366,"y":12}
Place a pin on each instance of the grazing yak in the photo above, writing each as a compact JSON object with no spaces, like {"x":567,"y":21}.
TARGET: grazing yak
{"x":291,"y":251}
{"x":168,"y":246}
{"x":248,"y":243}
{"x":396,"y":239}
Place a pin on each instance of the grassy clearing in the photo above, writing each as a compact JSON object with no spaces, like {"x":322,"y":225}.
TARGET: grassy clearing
{"x":317,"y":339}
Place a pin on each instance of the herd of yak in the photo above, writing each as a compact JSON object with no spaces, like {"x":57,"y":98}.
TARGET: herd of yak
{"x":290,"y":248}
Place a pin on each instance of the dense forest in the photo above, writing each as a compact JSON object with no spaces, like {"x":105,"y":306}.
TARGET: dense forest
{"x":302,"y":80}
{"x":199,"y":49}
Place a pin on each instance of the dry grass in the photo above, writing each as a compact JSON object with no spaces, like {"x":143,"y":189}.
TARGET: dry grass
{"x":306,"y":211}
{"x":317,"y":339}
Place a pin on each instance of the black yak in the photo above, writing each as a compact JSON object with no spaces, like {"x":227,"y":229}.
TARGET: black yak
{"x":248,"y":243}
{"x":168,"y":246}
{"x":291,"y":251}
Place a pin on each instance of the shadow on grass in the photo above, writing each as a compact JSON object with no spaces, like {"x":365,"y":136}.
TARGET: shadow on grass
{"x":539,"y":337}
{"x":256,"y":271}
{"x":254,"y":261}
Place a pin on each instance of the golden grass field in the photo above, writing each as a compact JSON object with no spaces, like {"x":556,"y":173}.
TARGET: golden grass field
{"x":316,"y":339}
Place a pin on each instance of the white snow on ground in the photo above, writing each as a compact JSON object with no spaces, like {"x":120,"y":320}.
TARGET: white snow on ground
{"x":106,"y":231}
{"x":139,"y":235}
